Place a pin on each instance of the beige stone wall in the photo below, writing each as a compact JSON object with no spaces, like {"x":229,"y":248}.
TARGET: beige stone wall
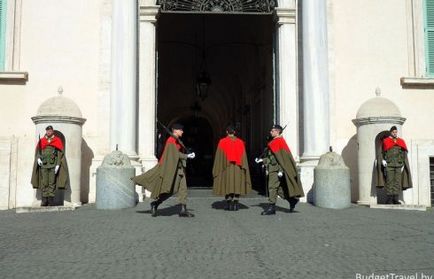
{"x":60,"y":42}
{"x":369,"y":49}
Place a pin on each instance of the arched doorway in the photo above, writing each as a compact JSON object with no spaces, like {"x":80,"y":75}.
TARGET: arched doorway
{"x":233,"y":56}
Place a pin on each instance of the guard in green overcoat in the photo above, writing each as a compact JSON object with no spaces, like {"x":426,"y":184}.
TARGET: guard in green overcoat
{"x":283,"y":178}
{"x":231,"y":170}
{"x":50,"y":170}
{"x":393,"y":169}
{"x":168,"y":176}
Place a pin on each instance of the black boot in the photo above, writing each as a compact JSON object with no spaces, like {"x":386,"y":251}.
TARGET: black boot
{"x":228,"y":205}
{"x":292,"y":202}
{"x":44,"y":201}
{"x":184,"y":212}
{"x":236,"y":205}
{"x":271,"y":210}
{"x":154,"y":206}
{"x":51,"y":201}
{"x":395,"y":199}
{"x":389,"y":199}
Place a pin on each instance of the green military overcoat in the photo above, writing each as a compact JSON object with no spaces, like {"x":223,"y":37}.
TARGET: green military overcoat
{"x":62,"y":177}
{"x":379,"y":176}
{"x":231,"y":177}
{"x":283,"y":155}
{"x":160,"y":178}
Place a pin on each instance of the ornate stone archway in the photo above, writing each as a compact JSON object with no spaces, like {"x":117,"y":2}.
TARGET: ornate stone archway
{"x":218,"y":6}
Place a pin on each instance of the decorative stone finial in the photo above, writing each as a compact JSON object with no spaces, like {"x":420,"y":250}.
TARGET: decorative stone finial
{"x":60,"y":90}
{"x":331,"y":160}
{"x":378,"y":91}
{"x":116,"y":159}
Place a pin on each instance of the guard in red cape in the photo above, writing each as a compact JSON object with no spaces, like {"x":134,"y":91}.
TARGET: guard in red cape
{"x":393,"y":167}
{"x":231,"y":170}
{"x":283,"y":179}
{"x":168,"y":176}
{"x":50,"y":170}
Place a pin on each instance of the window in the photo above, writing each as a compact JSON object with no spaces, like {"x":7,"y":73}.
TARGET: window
{"x":2,"y":34}
{"x":431,"y":172}
{"x":429,"y":37}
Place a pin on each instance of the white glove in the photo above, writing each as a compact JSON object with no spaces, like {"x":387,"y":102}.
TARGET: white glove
{"x":384,"y":163}
{"x":191,"y":155}
{"x":39,"y":162}
{"x":56,"y":169}
{"x":280,"y":174}
{"x":402,"y":169}
{"x":258,"y":160}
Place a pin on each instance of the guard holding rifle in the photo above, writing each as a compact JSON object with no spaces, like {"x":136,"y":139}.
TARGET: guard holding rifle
{"x":283,"y":179}
{"x":168,"y":176}
{"x":50,"y":171}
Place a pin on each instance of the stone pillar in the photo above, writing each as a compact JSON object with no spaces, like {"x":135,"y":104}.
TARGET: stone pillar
{"x":332,"y":182}
{"x":287,"y":74}
{"x":114,"y":188}
{"x":315,"y":79}
{"x":374,"y":116}
{"x":65,"y":117}
{"x":147,"y":87}
{"x":123,"y":97}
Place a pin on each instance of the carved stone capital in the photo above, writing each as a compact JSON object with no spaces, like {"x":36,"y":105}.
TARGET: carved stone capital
{"x":148,"y":13}
{"x":285,"y":16}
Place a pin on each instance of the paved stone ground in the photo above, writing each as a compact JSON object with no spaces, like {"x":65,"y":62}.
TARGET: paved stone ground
{"x":129,"y":243}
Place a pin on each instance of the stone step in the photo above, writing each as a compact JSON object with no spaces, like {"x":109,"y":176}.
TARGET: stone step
{"x":399,"y":206}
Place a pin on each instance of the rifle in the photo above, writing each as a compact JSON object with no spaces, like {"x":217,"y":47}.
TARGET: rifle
{"x":39,"y":146}
{"x":172,"y":135}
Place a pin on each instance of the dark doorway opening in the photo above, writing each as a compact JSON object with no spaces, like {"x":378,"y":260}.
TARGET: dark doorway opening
{"x":215,"y":70}
{"x":200,"y":139}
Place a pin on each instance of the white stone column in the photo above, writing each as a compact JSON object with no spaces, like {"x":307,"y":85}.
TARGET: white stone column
{"x":147,"y":87}
{"x":123,"y":97}
{"x":287,"y":74}
{"x":316,"y":124}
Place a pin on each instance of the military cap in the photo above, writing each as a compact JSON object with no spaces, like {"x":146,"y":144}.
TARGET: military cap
{"x":277,"y":127}
{"x":177,"y":126}
{"x":49,"y":127}
{"x":393,"y":128}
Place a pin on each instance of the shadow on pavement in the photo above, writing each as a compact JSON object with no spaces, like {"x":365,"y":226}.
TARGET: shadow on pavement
{"x":220,"y":205}
{"x":167,"y":211}
{"x":278,"y":208}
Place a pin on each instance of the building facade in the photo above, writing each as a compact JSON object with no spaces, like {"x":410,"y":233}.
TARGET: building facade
{"x":309,"y":65}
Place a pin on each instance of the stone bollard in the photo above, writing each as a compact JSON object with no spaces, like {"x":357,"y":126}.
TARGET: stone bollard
{"x":114,"y":188}
{"x":332,"y":182}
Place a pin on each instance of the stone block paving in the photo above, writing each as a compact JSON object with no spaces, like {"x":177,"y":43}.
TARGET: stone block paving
{"x":129,"y":243}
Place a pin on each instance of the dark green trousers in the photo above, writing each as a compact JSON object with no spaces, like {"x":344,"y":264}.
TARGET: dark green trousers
{"x":179,"y":188}
{"x":393,"y":180}
{"x":275,"y":185}
{"x":48,"y":187}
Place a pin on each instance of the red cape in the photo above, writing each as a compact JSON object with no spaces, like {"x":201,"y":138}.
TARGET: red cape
{"x":233,"y":148}
{"x":388,"y":143}
{"x":170,"y":140}
{"x":55,"y":142}
{"x":278,"y":144}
